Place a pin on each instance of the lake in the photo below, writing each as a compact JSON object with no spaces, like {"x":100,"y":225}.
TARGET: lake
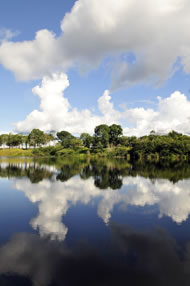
{"x":94,"y":222}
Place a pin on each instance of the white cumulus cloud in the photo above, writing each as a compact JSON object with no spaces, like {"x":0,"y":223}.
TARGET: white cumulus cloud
{"x":172,"y":113}
{"x":155,"y":32}
{"x":56,"y":113}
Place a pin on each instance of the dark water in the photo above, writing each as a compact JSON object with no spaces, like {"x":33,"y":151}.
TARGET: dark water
{"x":93,"y":222}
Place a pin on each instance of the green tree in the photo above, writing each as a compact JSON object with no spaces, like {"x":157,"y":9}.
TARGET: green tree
{"x":1,"y":141}
{"x":17,"y":140}
{"x":65,"y":138}
{"x":175,"y":134}
{"x":152,"y":132}
{"x":25,"y":141}
{"x":36,"y":138}
{"x":101,"y":135}
{"x":10,"y":140}
{"x":87,"y":140}
{"x":4,"y":138}
{"x":48,"y":138}
{"x":75,"y":143}
{"x":124,"y":141}
{"x":115,"y":131}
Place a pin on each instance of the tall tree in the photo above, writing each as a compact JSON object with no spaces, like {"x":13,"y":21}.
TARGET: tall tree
{"x":17,"y":140}
{"x":86,"y":139}
{"x":75,"y":143}
{"x":36,"y":137}
{"x":10,"y":140}
{"x":25,"y":141}
{"x":101,"y":135}
{"x":115,"y":131}
{"x":48,"y":138}
{"x":4,"y":138}
{"x":65,"y":138}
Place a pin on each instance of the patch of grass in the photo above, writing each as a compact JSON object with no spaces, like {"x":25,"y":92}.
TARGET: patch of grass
{"x":15,"y":153}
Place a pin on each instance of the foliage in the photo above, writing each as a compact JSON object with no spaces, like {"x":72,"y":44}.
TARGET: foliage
{"x":114,"y":132}
{"x":105,"y":173}
{"x":45,"y":151}
{"x":101,"y":135}
{"x":171,"y":146}
{"x":36,"y":138}
{"x":86,"y":139}
{"x":65,"y":138}
{"x":107,"y":141}
{"x":105,"y":135}
{"x":122,"y":152}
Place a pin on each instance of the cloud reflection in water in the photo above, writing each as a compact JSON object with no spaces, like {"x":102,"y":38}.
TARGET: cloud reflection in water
{"x":149,"y":258}
{"x":55,"y":198}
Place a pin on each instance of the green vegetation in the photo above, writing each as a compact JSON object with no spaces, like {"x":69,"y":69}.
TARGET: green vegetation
{"x":107,"y":141}
{"x":16,"y":152}
{"x":105,"y":173}
{"x":174,"y":146}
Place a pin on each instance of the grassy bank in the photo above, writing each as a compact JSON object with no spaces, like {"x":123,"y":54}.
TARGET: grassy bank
{"x":16,"y":153}
{"x":59,"y":151}
{"x":127,"y":153}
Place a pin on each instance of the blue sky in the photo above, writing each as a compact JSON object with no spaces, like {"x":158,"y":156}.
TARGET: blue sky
{"x":28,"y":17}
{"x":114,"y":66}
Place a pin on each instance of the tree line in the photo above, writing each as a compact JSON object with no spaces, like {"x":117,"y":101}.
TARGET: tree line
{"x":104,"y":135}
{"x":36,"y":138}
{"x":108,"y":140}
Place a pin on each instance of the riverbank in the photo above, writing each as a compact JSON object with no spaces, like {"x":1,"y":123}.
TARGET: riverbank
{"x":16,"y":152}
{"x":106,"y":142}
{"x":127,"y":153}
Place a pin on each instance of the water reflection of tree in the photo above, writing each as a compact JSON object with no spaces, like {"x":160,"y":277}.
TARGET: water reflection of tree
{"x":70,"y":169}
{"x":12,"y":171}
{"x":35,"y":173}
{"x":174,"y":172}
{"x":38,"y":174}
{"x":106,"y":173}
{"x":67,"y":172}
{"x":105,"y":177}
{"x":110,"y":173}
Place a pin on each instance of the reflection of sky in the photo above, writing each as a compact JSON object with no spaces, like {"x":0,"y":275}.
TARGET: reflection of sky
{"x":15,"y":211}
{"x":55,"y":198}
{"x":135,"y":258}
{"x":133,"y":235}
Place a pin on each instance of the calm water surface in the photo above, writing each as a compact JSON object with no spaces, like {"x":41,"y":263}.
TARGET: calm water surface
{"x":94,"y":223}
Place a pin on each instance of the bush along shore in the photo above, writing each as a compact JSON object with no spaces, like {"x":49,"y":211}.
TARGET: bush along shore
{"x":107,"y":141}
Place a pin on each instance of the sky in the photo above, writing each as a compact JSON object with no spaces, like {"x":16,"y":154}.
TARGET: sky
{"x":72,"y":65}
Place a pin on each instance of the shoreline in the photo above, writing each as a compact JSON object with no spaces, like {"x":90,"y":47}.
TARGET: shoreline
{"x":117,"y":153}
